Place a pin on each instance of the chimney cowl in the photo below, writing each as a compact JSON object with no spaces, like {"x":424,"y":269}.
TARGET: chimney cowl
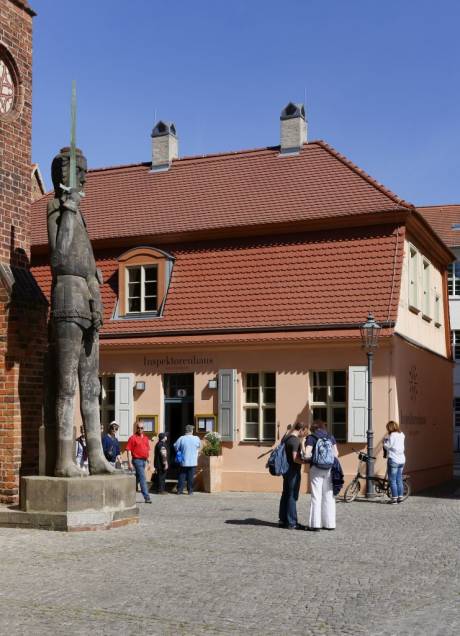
{"x":164,"y":128}
{"x":165,"y":146}
{"x":292,"y":111}
{"x":293,"y":129}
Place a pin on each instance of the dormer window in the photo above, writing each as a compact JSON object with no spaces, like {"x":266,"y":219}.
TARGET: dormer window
{"x":142,"y":288}
{"x":144,"y":274}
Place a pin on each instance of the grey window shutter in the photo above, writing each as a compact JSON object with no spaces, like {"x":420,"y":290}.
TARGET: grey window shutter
{"x":227,"y":404}
{"x":357,"y":404}
{"x":124,"y":408}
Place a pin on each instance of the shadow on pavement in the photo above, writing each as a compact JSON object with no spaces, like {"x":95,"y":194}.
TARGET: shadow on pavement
{"x":448,"y":490}
{"x":361,"y":499}
{"x":251,"y":522}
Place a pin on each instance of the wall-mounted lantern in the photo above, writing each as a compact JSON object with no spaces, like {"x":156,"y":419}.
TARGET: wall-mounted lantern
{"x":140,"y":386}
{"x":212,"y":384}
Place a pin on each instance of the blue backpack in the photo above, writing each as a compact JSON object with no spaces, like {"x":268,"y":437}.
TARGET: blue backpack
{"x":277,"y":463}
{"x":322,"y":455}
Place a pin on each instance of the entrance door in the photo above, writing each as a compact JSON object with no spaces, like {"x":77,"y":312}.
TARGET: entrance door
{"x":178,"y":397}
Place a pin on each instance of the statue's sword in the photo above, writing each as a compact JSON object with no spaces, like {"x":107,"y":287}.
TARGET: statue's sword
{"x":73,"y":144}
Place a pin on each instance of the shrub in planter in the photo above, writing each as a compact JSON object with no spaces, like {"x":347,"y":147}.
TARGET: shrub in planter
{"x":213,"y":444}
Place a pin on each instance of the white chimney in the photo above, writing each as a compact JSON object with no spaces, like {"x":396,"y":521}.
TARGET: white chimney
{"x":165,"y":146}
{"x":293,"y":129}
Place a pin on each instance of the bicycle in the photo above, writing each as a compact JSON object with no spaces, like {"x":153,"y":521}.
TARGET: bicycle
{"x":381,"y":484}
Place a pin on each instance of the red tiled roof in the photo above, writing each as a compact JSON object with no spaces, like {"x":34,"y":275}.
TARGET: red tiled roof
{"x":321,"y":278}
{"x":224,"y":191}
{"x":441,"y":218}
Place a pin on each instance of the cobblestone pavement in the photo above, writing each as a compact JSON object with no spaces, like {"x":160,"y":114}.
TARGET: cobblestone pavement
{"x":218,"y":564}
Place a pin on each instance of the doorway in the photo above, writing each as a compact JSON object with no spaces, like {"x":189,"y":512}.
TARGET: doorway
{"x":178,"y":399}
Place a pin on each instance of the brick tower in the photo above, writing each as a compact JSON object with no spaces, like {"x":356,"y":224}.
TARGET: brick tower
{"x":22,"y":308}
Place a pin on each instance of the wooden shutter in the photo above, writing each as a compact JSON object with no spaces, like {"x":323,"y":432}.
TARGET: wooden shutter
{"x":227,"y":403}
{"x":124,"y":412}
{"x":357,"y":404}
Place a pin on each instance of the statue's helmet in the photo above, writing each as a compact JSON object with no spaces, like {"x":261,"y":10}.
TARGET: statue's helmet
{"x":60,"y":170}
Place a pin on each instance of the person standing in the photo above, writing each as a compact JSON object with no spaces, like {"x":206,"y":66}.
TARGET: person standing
{"x":394,"y":446}
{"x":81,"y":451}
{"x":322,"y":507}
{"x":138,"y":448}
{"x":291,"y":480}
{"x":188,"y":445}
{"x":111,"y":445}
{"x":160,"y":464}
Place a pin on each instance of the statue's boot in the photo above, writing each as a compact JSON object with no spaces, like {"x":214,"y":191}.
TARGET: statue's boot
{"x":98,"y":465}
{"x":65,"y":465}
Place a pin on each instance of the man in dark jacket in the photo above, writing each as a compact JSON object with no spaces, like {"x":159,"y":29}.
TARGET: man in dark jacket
{"x":160,"y":464}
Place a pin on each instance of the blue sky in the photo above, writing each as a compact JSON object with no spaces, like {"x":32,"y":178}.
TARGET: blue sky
{"x":382,"y":81}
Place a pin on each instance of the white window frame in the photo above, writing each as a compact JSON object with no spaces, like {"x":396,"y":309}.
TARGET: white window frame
{"x":426,"y":283}
{"x":457,"y":412}
{"x":453,"y":280}
{"x":413,"y":274}
{"x":329,"y":405}
{"x":456,"y":344}
{"x":261,"y":405}
{"x":142,"y":269}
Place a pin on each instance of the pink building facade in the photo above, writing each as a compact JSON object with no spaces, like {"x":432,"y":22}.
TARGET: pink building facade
{"x":234,"y":289}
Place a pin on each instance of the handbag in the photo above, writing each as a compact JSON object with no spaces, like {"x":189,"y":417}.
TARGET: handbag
{"x":179,"y":456}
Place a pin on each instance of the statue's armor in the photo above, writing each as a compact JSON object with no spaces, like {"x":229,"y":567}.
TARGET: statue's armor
{"x":71,"y":296}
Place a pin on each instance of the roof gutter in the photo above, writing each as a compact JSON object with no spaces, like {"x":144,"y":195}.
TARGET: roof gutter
{"x":241,"y":330}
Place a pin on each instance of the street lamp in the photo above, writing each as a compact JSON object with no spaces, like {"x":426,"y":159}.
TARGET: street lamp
{"x":370,"y":332}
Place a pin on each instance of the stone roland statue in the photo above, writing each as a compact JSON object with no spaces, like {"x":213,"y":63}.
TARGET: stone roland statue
{"x":76,"y":316}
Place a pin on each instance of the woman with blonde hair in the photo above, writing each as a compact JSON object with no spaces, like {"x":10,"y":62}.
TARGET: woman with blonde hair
{"x":393,"y":443}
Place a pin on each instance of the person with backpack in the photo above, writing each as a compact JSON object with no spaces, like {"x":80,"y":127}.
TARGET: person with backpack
{"x":320,"y":451}
{"x":291,"y":479}
{"x":188,"y":446}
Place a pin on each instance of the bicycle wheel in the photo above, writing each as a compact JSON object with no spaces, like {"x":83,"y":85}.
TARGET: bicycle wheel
{"x":406,"y":489}
{"x":351,"y":491}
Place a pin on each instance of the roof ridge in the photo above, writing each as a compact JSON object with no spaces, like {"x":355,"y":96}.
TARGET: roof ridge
{"x":438,"y":205}
{"x":212,"y":155}
{"x":363,"y":174}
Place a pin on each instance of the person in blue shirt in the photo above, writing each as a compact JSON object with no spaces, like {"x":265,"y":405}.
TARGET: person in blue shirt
{"x":188,"y":445}
{"x":111,"y":445}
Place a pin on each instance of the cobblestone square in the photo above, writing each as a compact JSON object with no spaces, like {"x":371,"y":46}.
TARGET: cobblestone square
{"x":218,"y":564}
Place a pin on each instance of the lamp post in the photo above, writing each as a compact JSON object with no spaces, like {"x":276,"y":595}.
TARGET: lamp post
{"x":370,"y":332}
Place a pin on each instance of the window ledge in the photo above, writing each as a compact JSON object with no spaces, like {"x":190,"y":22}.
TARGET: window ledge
{"x":414,"y":310}
{"x":427,"y":318}
{"x":145,"y":315}
{"x":254,"y":442}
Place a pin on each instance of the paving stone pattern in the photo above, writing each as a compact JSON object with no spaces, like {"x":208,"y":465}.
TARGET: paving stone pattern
{"x":218,"y":564}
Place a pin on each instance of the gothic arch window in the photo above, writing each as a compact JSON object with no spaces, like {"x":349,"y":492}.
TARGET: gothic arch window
{"x":11,"y":89}
{"x":144,"y":274}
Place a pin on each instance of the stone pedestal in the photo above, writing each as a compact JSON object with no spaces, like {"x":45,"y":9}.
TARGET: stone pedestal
{"x":96,"y":502}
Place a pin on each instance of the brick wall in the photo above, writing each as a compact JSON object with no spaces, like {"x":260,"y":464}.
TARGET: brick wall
{"x":22,"y":311}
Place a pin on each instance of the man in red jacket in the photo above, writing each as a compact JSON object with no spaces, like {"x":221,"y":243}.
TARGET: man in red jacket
{"x":138,"y":448}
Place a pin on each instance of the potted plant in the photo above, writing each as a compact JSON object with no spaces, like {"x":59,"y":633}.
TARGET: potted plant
{"x":211,"y":461}
{"x":213,"y":446}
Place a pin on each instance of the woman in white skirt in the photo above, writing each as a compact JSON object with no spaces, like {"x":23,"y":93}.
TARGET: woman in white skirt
{"x":322,"y":507}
